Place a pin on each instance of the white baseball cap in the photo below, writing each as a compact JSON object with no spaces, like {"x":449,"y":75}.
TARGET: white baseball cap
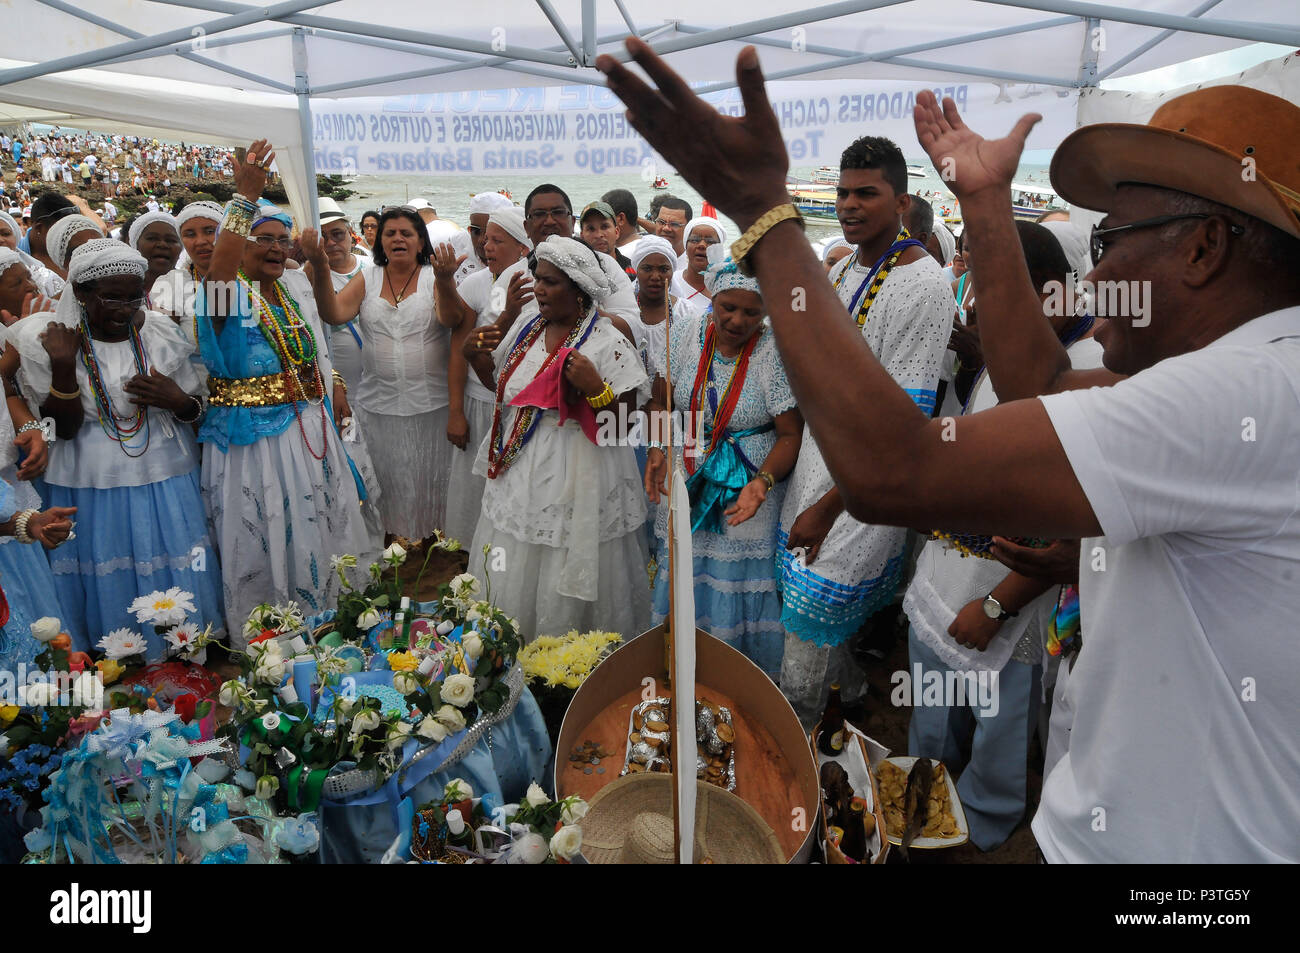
{"x":418,"y":204}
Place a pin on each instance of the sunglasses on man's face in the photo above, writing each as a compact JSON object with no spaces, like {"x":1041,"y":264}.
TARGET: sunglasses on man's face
{"x":1097,"y":240}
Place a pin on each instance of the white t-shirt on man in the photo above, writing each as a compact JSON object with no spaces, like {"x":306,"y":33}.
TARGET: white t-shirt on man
{"x":1185,"y":741}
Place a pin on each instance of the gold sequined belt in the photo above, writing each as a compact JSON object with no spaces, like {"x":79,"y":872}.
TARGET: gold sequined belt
{"x":268,"y":391}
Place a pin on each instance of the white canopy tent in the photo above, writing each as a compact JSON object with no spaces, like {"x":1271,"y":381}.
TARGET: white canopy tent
{"x":228,"y":72}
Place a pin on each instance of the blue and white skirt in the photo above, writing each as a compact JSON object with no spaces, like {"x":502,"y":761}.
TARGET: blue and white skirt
{"x":132,"y":541}
{"x":29,"y":586}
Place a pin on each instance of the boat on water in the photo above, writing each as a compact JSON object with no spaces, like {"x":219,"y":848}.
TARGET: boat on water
{"x":827,"y":175}
{"x":916,"y":171}
{"x":660,"y":183}
{"x":814,"y":204}
{"x":1030,"y":201}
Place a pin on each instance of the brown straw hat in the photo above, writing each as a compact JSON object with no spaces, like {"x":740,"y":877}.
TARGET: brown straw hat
{"x":630,"y":822}
{"x":1233,"y":145}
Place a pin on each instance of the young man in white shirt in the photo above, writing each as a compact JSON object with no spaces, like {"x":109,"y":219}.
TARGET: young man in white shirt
{"x":1181,"y":479}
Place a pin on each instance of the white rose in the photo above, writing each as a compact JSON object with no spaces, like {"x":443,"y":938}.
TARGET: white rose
{"x":269,"y":670}
{"x":457,"y":789}
{"x":458,"y":689}
{"x":397,"y":735}
{"x":466,"y":584}
{"x":394,"y":555}
{"x":229,"y":694}
{"x":536,"y":797}
{"x":367,"y":720}
{"x":472,"y":645}
{"x":529,"y":849}
{"x":368,"y":619}
{"x":451,"y":718}
{"x":271,"y":721}
{"x":566,"y":843}
{"x":472,"y":615}
{"x":406,"y":683}
{"x":267,"y":785}
{"x":431,"y":729}
{"x":572,"y":810}
{"x":45,"y":629}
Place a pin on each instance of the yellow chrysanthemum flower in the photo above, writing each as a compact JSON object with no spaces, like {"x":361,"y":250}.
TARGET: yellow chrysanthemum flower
{"x":403,"y":661}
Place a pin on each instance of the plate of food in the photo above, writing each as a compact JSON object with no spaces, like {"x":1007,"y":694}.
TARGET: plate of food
{"x":944,"y":824}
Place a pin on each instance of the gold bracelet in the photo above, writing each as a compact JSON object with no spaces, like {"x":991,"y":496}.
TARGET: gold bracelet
{"x":238,"y":219}
{"x":60,"y":395}
{"x":745,"y":244}
{"x":338,"y":379}
{"x":766,"y":478}
{"x":603,"y":399}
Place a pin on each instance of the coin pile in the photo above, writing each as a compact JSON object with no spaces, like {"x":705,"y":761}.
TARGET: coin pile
{"x":587,"y":756}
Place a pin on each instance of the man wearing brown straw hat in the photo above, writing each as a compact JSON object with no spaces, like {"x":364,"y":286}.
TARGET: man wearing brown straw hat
{"x":1181,"y":480}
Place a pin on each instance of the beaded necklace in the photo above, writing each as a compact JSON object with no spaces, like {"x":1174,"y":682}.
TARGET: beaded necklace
{"x":295,"y":345}
{"x":721,"y":408}
{"x":876,"y":277}
{"x":115,"y":425}
{"x":527,"y":419}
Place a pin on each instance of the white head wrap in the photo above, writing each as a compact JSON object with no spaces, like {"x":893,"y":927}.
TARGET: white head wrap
{"x":706,"y":222}
{"x":653,"y":245}
{"x":725,"y":276}
{"x":683,"y":260}
{"x":838,"y":242}
{"x":947,"y":243}
{"x":61,"y":232}
{"x":209,"y":210}
{"x":578,"y":262}
{"x":9,"y":257}
{"x":512,"y":220}
{"x":147,"y":219}
{"x":104,"y":258}
{"x":485,"y":203}
{"x":13,"y":225}
{"x":1074,"y":242}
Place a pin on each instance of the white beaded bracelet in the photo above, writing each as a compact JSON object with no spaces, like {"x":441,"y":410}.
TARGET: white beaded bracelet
{"x":20,"y":526}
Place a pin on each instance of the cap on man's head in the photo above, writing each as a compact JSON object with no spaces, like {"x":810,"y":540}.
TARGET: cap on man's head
{"x":1229,"y":144}
{"x":602,"y":208}
{"x":418,"y":204}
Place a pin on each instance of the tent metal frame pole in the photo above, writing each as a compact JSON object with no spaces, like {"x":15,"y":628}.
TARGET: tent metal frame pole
{"x":1153,"y":42}
{"x":1234,"y":29}
{"x":852,"y":58}
{"x":179,"y":49}
{"x":561,"y":29}
{"x":182,"y":35}
{"x":1088,"y":59}
{"x":302,"y":87}
{"x":419,"y":38}
{"x":589,"y":44}
{"x":627,"y":18}
{"x":784,"y":21}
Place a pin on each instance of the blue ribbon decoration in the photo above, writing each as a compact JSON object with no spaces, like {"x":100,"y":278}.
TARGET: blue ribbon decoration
{"x":717,"y":482}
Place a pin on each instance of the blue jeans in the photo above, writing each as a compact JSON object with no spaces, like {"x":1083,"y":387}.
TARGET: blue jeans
{"x":993,"y":778}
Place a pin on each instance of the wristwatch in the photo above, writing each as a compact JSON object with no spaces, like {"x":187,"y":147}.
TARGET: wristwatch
{"x":993,"y":609}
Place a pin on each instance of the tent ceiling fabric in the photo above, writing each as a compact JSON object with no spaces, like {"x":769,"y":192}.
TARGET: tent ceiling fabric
{"x":340,"y":53}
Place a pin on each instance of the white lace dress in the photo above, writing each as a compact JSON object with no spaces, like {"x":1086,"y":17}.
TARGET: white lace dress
{"x":563,"y":522}
{"x":858,"y":568}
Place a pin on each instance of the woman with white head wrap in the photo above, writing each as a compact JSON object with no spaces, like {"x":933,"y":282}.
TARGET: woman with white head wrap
{"x":24,"y":570}
{"x":469,"y":243}
{"x":68,"y":234}
{"x":727,"y":379}
{"x":155,"y":236}
{"x":947,"y":241}
{"x":834,"y":250}
{"x":1074,"y":242}
{"x":48,"y":283}
{"x":700,"y":235}
{"x":475,"y":303}
{"x":280,"y":488}
{"x":565,"y":508}
{"x":117,"y":381}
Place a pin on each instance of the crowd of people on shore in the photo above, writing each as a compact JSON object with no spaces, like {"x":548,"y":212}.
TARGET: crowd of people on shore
{"x":103,"y":165}
{"x":224,"y":399}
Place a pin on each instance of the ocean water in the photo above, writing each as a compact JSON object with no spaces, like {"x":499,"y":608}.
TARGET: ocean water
{"x":450,"y":194}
